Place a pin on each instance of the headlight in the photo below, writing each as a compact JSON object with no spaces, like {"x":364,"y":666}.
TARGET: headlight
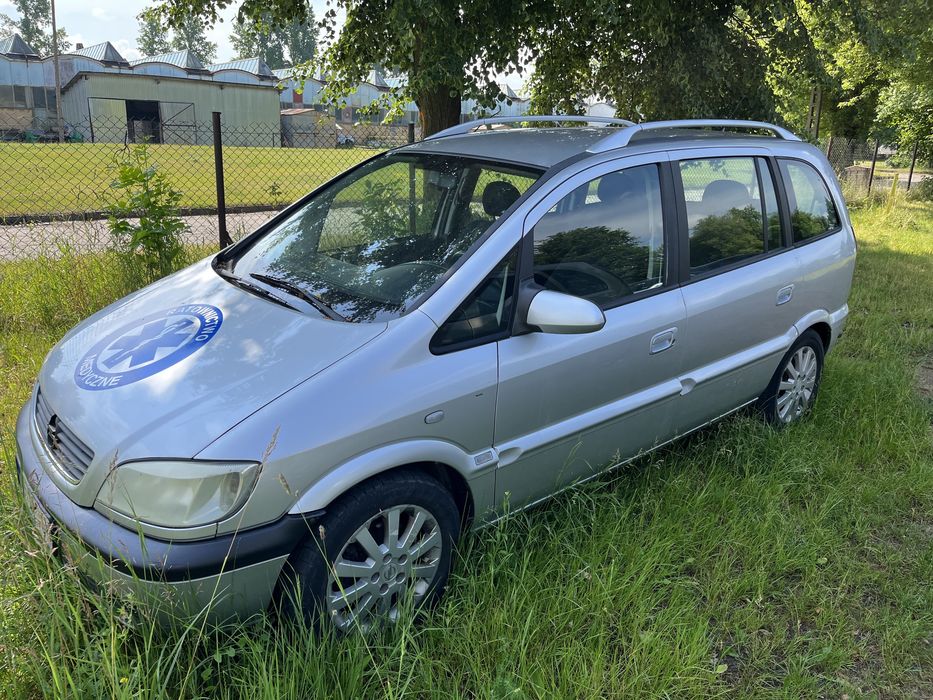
{"x":178,"y":493}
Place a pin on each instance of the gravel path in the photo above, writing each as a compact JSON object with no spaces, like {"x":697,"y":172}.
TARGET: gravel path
{"x":31,"y":240}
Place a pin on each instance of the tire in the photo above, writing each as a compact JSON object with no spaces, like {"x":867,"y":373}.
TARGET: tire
{"x":788,"y":399}
{"x":376,"y":572}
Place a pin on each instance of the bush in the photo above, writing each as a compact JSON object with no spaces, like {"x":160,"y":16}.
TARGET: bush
{"x":922,"y":190}
{"x":143,"y":192}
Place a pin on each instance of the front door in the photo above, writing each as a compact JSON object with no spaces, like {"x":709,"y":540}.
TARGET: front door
{"x":571,"y":405}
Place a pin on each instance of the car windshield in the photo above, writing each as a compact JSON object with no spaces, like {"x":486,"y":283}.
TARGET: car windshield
{"x":370,"y":244}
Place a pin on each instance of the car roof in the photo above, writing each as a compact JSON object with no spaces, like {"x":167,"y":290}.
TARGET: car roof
{"x":545,"y":147}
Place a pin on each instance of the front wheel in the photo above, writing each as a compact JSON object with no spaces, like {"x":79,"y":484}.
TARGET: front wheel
{"x":387,"y":543}
{"x":796,"y":382}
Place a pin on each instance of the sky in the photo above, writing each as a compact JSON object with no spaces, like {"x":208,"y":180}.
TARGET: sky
{"x":94,"y":21}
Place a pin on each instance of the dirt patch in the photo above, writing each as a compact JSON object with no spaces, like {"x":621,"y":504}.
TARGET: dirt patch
{"x":925,"y":379}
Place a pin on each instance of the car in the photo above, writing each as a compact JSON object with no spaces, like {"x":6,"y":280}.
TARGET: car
{"x":344,"y":140}
{"x":448,"y":331}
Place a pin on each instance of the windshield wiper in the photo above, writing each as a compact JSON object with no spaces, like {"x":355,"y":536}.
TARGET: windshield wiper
{"x":253,"y":288}
{"x":297,"y":291}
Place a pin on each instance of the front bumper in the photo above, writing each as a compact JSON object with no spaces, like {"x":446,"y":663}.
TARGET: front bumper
{"x":228,"y":576}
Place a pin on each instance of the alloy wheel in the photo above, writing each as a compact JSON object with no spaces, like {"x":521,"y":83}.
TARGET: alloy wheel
{"x":396,"y":552}
{"x":798,"y":384}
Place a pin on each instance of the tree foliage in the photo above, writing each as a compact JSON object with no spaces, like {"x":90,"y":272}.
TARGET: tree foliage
{"x":278,"y":45}
{"x":34,"y":25}
{"x":447,"y":50}
{"x":728,"y":58}
{"x":153,"y":38}
{"x":189,"y":33}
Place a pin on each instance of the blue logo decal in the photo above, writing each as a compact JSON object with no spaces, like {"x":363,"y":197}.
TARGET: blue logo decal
{"x":147,"y":345}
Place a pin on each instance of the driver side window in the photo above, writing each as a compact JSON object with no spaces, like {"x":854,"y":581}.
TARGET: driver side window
{"x":605,"y":240}
{"x":485,"y":314}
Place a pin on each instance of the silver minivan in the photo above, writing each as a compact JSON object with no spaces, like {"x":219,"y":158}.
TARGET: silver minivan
{"x":311,"y":418}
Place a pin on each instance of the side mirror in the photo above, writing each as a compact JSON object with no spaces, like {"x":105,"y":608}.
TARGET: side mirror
{"x":553,"y":312}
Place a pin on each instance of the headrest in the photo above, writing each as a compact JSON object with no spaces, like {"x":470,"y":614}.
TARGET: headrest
{"x":499,"y":196}
{"x":615,"y":186}
{"x":723,"y":195}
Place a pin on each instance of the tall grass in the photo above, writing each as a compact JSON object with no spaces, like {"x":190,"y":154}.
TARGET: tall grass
{"x":741,"y":561}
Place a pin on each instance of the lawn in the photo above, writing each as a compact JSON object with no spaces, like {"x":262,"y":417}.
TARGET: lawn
{"x":62,"y":178}
{"x":739,"y":562}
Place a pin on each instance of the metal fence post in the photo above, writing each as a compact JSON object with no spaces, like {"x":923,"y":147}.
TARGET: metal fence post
{"x":225,"y":239}
{"x":874,"y":159}
{"x":411,"y":132}
{"x":913,"y":162}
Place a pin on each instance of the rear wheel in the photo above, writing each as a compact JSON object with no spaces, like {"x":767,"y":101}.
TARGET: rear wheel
{"x":796,"y":382}
{"x":386,"y":544}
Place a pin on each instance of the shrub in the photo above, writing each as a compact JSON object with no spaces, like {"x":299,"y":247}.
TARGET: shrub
{"x":143,"y":192}
{"x":922,"y":190}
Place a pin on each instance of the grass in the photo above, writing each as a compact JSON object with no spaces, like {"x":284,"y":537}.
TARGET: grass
{"x":739,"y":562}
{"x":60,"y":178}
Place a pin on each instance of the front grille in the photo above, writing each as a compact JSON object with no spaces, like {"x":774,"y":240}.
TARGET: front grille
{"x":72,"y":456}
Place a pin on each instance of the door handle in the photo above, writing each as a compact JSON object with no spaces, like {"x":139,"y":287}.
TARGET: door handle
{"x":662,"y":341}
{"x":784,"y":294}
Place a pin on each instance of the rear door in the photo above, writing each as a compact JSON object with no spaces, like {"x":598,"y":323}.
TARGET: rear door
{"x":737,"y":277}
{"x":570,"y":405}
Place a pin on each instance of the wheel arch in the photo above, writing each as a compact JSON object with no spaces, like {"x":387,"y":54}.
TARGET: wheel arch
{"x":819,"y":321}
{"x":450,"y":465}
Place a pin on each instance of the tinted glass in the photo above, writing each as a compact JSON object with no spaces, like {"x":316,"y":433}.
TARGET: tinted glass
{"x":605,"y":240}
{"x":812,"y":211}
{"x":19,"y":96}
{"x":486,"y":313}
{"x":725,"y":215}
{"x":374,"y":241}
{"x":773,"y":234}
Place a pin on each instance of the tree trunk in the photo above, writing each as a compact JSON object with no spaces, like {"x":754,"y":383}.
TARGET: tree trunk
{"x":437,"y":110}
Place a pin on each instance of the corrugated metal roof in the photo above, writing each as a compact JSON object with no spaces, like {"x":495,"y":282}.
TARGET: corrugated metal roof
{"x":183,"y":59}
{"x":254,"y":65}
{"x":13,"y":45}
{"x":104,"y":52}
{"x":287,"y":74}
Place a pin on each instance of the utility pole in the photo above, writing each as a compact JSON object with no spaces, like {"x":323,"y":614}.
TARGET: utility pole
{"x":58,"y":82}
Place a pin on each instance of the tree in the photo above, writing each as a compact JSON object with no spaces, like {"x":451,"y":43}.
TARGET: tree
{"x":257,"y":38}
{"x":448,"y":50}
{"x":34,"y":25}
{"x":152,"y":39}
{"x":189,"y":31}
{"x":277,"y":45}
{"x":300,"y":38}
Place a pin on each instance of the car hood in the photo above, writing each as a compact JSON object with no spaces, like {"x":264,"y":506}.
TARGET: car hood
{"x":167,"y":370}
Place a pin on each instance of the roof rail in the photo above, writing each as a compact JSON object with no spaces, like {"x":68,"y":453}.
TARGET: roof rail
{"x":623,"y":137}
{"x":467,"y":127}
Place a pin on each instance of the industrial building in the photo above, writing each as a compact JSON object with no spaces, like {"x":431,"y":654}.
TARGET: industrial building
{"x":169,"y":99}
{"x":166,"y":99}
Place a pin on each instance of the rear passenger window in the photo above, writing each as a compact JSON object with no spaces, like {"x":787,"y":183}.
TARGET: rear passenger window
{"x":732,"y":211}
{"x":605,"y":240}
{"x":812,"y":212}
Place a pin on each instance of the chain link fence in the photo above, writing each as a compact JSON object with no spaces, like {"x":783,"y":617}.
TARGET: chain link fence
{"x":866,"y":166}
{"x":233,"y":179}
{"x":58,"y":194}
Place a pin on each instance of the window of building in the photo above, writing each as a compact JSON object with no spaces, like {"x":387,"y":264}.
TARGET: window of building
{"x":812,"y":212}
{"x":6,"y":96}
{"x":38,"y":98}
{"x":50,"y":98}
{"x":728,"y":219}
{"x":605,"y":240}
{"x":19,"y":97}
{"x":486,"y":313}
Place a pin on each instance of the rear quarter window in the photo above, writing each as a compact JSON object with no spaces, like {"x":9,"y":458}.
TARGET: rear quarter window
{"x":812,"y":211}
